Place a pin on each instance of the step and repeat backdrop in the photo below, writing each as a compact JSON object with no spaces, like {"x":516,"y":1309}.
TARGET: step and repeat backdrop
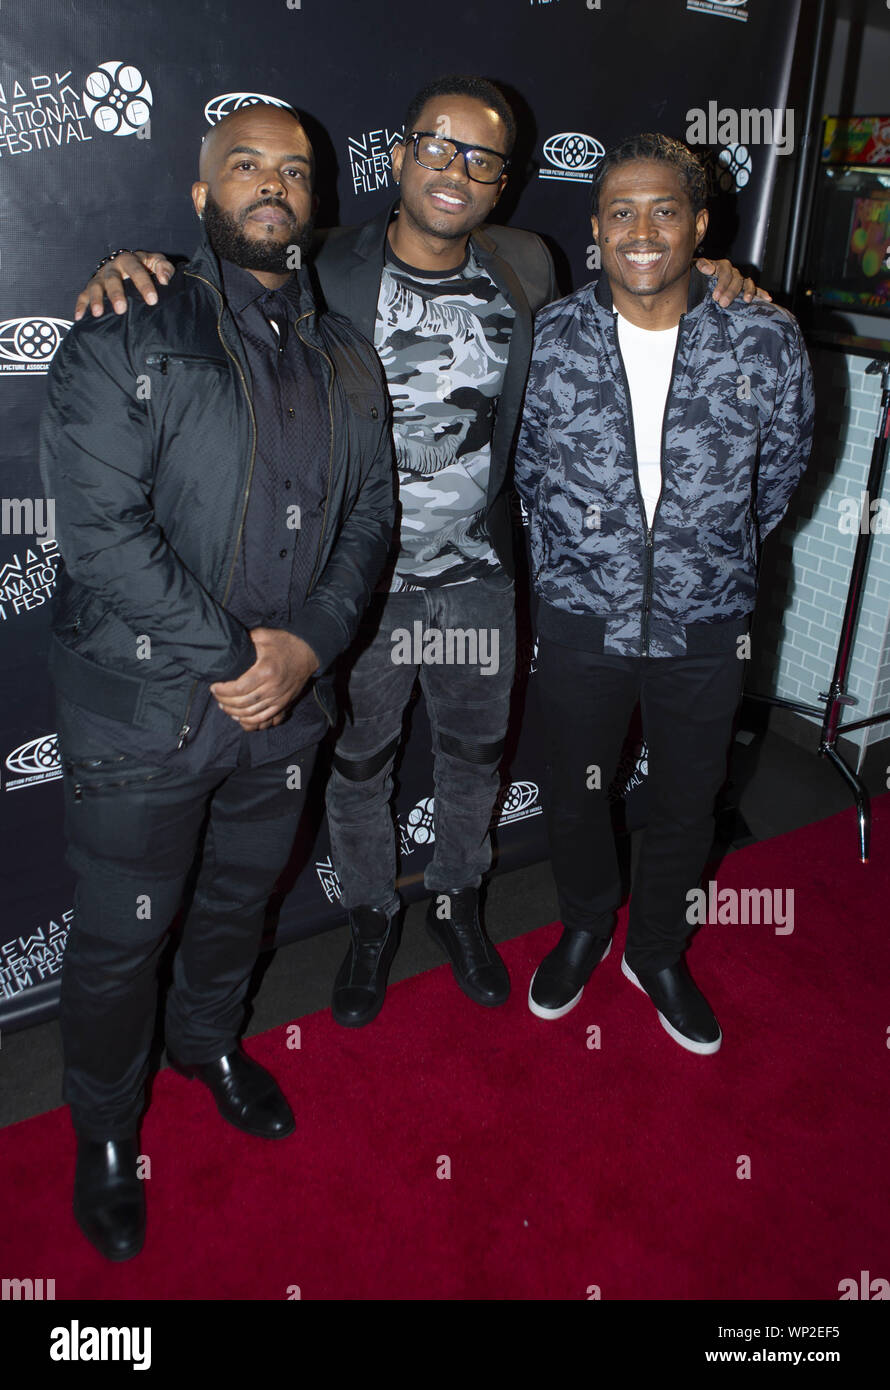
{"x":102,"y":109}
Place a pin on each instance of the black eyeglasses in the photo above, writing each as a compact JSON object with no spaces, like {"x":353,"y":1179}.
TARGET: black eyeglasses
{"x":433,"y":151}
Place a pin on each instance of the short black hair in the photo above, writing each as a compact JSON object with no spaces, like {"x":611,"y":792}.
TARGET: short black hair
{"x":693,"y":174}
{"x":463,"y":85}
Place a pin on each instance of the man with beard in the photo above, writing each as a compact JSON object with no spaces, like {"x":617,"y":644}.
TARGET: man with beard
{"x":448,"y":302}
{"x":223,"y":472}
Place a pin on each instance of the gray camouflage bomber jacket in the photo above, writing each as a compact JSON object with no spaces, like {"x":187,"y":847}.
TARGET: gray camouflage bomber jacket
{"x":736,"y":437}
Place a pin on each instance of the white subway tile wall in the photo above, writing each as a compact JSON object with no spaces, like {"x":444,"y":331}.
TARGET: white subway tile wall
{"x":822,"y":554}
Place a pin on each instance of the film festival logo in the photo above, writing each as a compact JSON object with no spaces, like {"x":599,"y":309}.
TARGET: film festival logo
{"x":44,"y":112}
{"x":36,"y":761}
{"x":330,"y":879}
{"x":734,"y":130}
{"x":369,"y":158}
{"x":571,"y":155}
{"x":118,"y":99}
{"x":632,"y":771}
{"x":733,"y":168}
{"x":727,"y":9}
{"x":29,"y":960}
{"x":28,"y":582}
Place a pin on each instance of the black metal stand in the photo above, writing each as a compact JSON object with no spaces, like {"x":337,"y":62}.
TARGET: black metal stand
{"x":836,"y":697}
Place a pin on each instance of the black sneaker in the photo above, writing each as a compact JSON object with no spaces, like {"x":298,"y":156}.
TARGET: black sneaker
{"x":682,"y":1008}
{"x":558,"y":982}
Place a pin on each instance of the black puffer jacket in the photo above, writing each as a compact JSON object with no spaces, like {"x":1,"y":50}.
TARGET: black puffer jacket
{"x":147,"y":445}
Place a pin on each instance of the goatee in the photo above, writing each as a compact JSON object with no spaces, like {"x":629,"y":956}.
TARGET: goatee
{"x":228,"y":239}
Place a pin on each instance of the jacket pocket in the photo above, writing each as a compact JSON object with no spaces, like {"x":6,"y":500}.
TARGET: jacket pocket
{"x":169,"y":362}
{"x":365,"y":404}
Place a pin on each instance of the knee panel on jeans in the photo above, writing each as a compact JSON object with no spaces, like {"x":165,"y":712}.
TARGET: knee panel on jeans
{"x":471,"y":750}
{"x":363,"y":769}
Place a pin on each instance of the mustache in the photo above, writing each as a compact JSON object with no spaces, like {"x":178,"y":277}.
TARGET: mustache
{"x":450,"y":190}
{"x":269,"y":203}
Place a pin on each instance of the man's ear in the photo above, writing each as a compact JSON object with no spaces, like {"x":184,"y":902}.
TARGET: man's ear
{"x":397,"y":159}
{"x":701,"y":226}
{"x":502,"y":184}
{"x":595,"y":225}
{"x":199,"y":196}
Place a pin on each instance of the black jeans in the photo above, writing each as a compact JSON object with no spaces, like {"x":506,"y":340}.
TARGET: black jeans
{"x":688,"y":705}
{"x":132,"y":834}
{"x":468,"y":703}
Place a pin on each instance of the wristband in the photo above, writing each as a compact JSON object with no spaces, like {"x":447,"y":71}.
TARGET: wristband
{"x":121,"y":251}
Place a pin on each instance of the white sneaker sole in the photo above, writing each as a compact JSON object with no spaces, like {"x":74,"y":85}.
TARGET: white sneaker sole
{"x":703,"y":1049}
{"x":538,"y":1009}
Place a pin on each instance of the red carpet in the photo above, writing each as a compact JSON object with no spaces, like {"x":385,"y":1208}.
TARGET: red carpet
{"x":570,"y":1166}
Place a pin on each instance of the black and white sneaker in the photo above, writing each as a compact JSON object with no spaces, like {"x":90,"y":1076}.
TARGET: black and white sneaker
{"x":682,"y":1008}
{"x":558,"y":982}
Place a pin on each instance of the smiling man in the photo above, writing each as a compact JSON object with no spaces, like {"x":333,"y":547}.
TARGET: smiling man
{"x":448,"y":300}
{"x":222,"y":467}
{"x":663,"y":435}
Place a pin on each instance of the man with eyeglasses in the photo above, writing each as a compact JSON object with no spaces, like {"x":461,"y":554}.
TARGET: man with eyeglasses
{"x":449,"y":307}
{"x":448,"y":303}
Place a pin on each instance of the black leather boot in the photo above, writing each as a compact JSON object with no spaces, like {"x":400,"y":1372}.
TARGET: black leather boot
{"x":109,"y":1199}
{"x":360,"y":985}
{"x":475,"y":964}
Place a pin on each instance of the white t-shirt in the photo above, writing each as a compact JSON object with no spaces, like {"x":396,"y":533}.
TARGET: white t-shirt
{"x":648,"y":358}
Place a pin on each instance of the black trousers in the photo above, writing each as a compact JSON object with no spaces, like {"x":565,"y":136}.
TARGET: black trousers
{"x":688,"y":705}
{"x":133,"y":832}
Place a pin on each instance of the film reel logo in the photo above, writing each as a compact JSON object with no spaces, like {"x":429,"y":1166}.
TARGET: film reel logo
{"x":28,"y":343}
{"x":118,"y":98}
{"x":422,"y":821}
{"x":38,"y":760}
{"x":733,"y":167}
{"x":517,"y":802}
{"x":729,"y":9}
{"x":573,"y":155}
{"x":227,"y":102}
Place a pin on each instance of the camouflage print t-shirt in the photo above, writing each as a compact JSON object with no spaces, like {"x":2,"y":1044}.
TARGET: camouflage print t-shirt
{"x":443,"y":342}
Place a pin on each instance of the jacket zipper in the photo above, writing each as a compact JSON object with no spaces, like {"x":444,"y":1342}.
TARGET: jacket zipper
{"x":647,"y":575}
{"x":648,"y":530}
{"x":297,"y":323}
{"x":664,"y":420}
{"x":185,"y":728}
{"x":182,"y":359}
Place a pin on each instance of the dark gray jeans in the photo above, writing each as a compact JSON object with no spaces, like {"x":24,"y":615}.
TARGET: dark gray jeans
{"x":468,"y":705}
